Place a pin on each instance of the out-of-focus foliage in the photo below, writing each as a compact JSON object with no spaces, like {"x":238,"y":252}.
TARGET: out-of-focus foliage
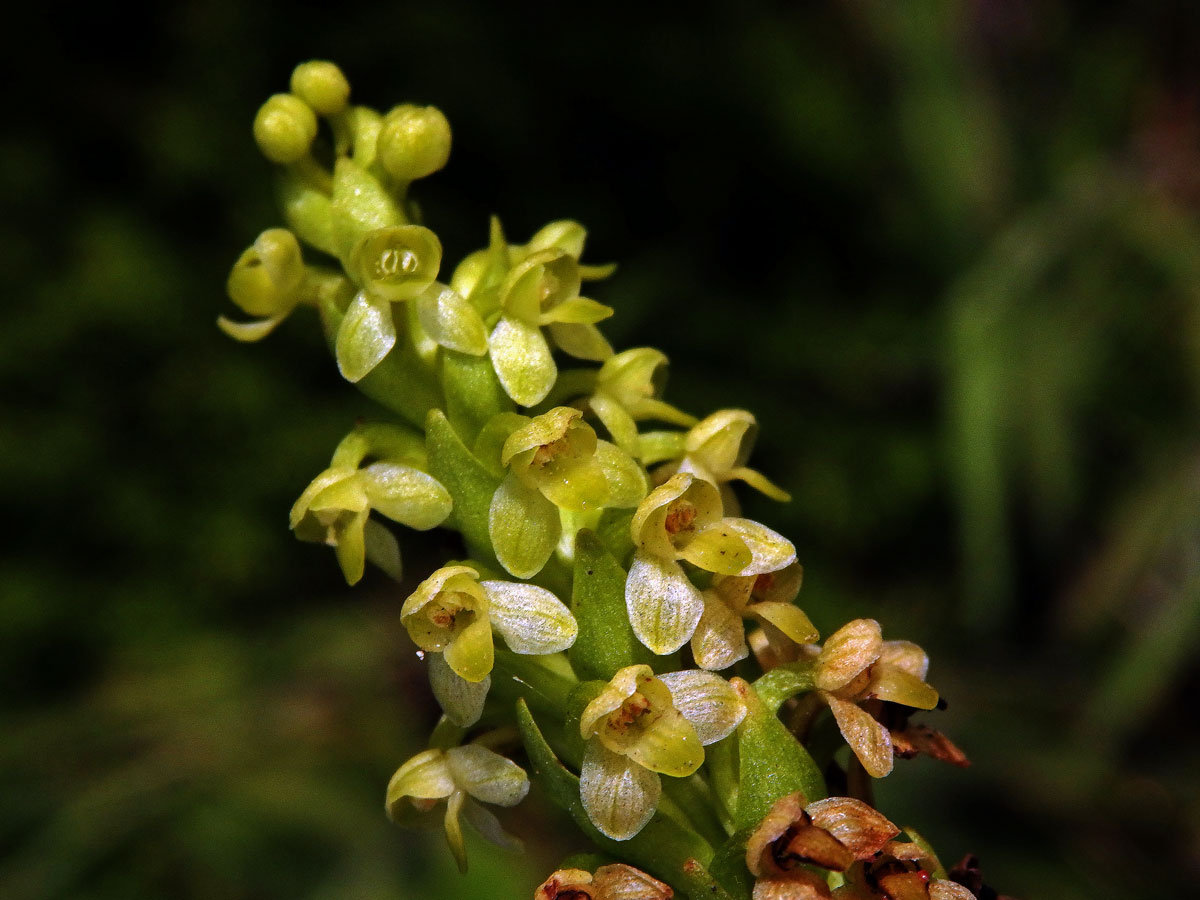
{"x":950,"y":249}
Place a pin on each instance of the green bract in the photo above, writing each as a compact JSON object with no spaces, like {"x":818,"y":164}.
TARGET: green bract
{"x":556,"y":467}
{"x":335,"y":507}
{"x":452,"y":613}
{"x":461,"y":776}
{"x":641,"y":725}
{"x":682,"y":520}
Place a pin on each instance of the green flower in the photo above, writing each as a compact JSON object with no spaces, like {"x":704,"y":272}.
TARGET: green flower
{"x":556,"y":466}
{"x":682,"y":519}
{"x":856,"y":666}
{"x":542,"y":291}
{"x":396,"y":264}
{"x":464,"y":777}
{"x":335,"y":507}
{"x":269,"y":281}
{"x":640,"y":726}
{"x":715,"y":449}
{"x":720,"y":637}
{"x":627,"y":389}
{"x":451,"y":616}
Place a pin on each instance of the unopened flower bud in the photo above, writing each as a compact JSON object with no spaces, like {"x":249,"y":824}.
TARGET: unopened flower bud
{"x":267,"y":276}
{"x":414,"y":141}
{"x":284,"y":128}
{"x":322,"y":86}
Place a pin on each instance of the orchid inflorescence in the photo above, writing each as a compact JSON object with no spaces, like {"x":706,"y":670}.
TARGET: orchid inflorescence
{"x":615,"y":631}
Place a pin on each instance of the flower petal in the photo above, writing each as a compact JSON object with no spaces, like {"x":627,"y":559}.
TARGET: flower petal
{"x":406,"y":495}
{"x":720,"y":637}
{"x":249,"y":332}
{"x":524,"y":527}
{"x":718,"y":548}
{"x":860,"y":827}
{"x":618,"y":795}
{"x":522,"y":359}
{"x":381,"y":548}
{"x":461,"y":700}
{"x":471,"y":653}
{"x":669,"y":744}
{"x":789,"y":619}
{"x":490,"y":828}
{"x":487,"y":776}
{"x":940,"y":889}
{"x":366,"y":335}
{"x":898,"y":686}
{"x":618,"y":881}
{"x":664,"y":607}
{"x":351,"y":548}
{"x":426,"y":776}
{"x":868,"y":739}
{"x":577,"y":311}
{"x":451,"y":321}
{"x":529,"y":618}
{"x":760,"y":483}
{"x":580,"y":341}
{"x":847,"y":652}
{"x":617,"y":420}
{"x":706,"y":700}
{"x":771,"y":551}
{"x":905,"y":655}
{"x":626,"y":481}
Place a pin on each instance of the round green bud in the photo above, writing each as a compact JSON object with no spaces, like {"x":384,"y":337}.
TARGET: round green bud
{"x":322,"y":86}
{"x":284,"y":128}
{"x":414,"y":141}
{"x":398,"y":262}
{"x":266,"y":279}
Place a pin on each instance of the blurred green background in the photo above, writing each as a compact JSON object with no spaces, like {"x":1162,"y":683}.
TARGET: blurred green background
{"x":947,"y":252}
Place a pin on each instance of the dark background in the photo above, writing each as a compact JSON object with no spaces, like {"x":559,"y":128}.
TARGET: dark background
{"x":947,"y":252}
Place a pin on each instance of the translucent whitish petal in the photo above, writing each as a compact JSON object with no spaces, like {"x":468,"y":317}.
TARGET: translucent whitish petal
{"x":530,"y":618}
{"x":664,"y":607}
{"x":618,"y":795}
{"x":706,"y":700}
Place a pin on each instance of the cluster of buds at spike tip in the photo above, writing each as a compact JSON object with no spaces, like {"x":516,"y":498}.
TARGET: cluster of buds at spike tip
{"x":640,"y":533}
{"x":683,"y":520}
{"x":451,"y":616}
{"x":615,"y":881}
{"x":464,"y":777}
{"x":380,"y":468}
{"x":643,"y":725}
{"x":798,"y":841}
